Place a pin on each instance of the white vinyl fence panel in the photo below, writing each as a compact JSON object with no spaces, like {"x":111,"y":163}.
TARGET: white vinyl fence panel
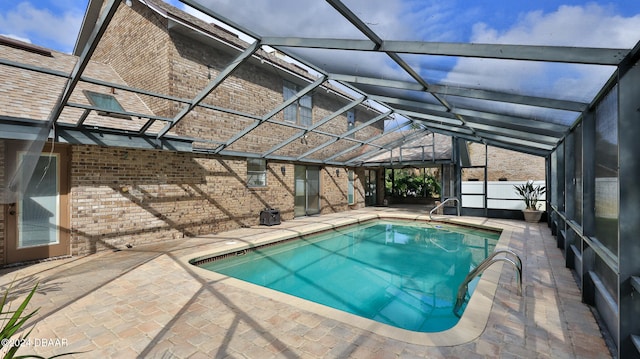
{"x":500,"y":194}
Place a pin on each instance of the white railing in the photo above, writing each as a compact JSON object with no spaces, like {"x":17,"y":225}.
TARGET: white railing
{"x":515,"y":261}
{"x":442,"y":204}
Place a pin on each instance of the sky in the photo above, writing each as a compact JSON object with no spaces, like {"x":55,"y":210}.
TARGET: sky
{"x":55,"y":23}
{"x":600,"y":23}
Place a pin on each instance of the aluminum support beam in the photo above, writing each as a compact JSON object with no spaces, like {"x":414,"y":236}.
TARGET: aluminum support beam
{"x":345,"y":135}
{"x":517,"y":148}
{"x":471,"y":138}
{"x":130,"y":89}
{"x":314,"y":126}
{"x":549,"y":140}
{"x":338,"y":5}
{"x":517,"y":124}
{"x":498,"y":96}
{"x":446,"y":117}
{"x":66,"y":133}
{"x":276,"y":158}
{"x":123,"y":113}
{"x":352,"y":148}
{"x":479,"y":94}
{"x":205,"y":10}
{"x":524,"y":143}
{"x":272,"y":113}
{"x":25,"y":169}
{"x":38,"y":69}
{"x":102,"y":137}
{"x":414,"y":104}
{"x":432,"y":118}
{"x":359,"y":24}
{"x":521,"y":121}
{"x":19,"y":131}
{"x":561,"y":54}
{"x":246,"y":54}
{"x":83,"y":117}
{"x":389,"y":146}
{"x":83,"y":61}
{"x":629,"y":216}
{"x":437,"y":127}
{"x":588,"y":181}
{"x":363,"y":80}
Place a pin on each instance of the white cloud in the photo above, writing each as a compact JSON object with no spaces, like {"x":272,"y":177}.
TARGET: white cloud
{"x":585,"y":26}
{"x":589,"y":25}
{"x":43,"y":27}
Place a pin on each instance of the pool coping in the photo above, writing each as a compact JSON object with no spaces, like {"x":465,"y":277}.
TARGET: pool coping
{"x":470,"y":326}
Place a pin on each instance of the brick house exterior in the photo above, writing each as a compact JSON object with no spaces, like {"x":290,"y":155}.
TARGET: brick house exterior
{"x":125,"y":195}
{"x":120,"y":195}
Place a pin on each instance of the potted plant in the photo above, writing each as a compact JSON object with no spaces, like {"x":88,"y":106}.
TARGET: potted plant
{"x":530,"y":194}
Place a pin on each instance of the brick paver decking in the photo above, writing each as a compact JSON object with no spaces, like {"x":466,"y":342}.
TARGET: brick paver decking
{"x":146,"y":302}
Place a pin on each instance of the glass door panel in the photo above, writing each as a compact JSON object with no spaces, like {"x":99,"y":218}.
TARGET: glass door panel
{"x":37,"y":225}
{"x":313,"y":190}
{"x":39,"y":207}
{"x":300,"y":204}
{"x":307,"y":188}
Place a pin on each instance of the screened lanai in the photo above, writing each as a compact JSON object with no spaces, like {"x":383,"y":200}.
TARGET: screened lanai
{"x":522,"y":97}
{"x":574,"y":104}
{"x":404,"y":78}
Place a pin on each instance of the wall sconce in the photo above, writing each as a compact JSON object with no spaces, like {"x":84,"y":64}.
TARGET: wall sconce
{"x":337,"y":172}
{"x":283,"y":169}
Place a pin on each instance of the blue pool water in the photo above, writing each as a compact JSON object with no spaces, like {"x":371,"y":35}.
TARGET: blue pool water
{"x":401,"y":274}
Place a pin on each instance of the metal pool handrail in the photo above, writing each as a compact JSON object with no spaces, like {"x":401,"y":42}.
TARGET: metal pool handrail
{"x":464,"y":287}
{"x":442,"y":204}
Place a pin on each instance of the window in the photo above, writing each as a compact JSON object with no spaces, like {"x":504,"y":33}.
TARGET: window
{"x":351,"y":122}
{"x":106,"y":104}
{"x":256,"y":172}
{"x":351,"y":188}
{"x":299,"y":112}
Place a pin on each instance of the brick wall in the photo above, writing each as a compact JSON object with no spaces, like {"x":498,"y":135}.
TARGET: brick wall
{"x":254,"y":88}
{"x":333,"y":195}
{"x":136,"y":45}
{"x":121,"y":196}
{"x":503,"y":163}
{"x":147,"y":55}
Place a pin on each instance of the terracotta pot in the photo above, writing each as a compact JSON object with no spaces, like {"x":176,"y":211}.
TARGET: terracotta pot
{"x":532,"y":215}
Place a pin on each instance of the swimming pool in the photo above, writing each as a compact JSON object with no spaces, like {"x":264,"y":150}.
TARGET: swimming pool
{"x":394,"y":272}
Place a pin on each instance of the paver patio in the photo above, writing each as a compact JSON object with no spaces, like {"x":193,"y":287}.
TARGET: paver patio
{"x":147,"y":302}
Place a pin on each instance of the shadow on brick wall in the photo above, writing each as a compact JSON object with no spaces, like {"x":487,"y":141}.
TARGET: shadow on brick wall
{"x":171,"y":196}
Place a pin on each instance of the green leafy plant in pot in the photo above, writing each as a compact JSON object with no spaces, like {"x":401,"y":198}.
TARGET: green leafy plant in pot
{"x":530,"y":194}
